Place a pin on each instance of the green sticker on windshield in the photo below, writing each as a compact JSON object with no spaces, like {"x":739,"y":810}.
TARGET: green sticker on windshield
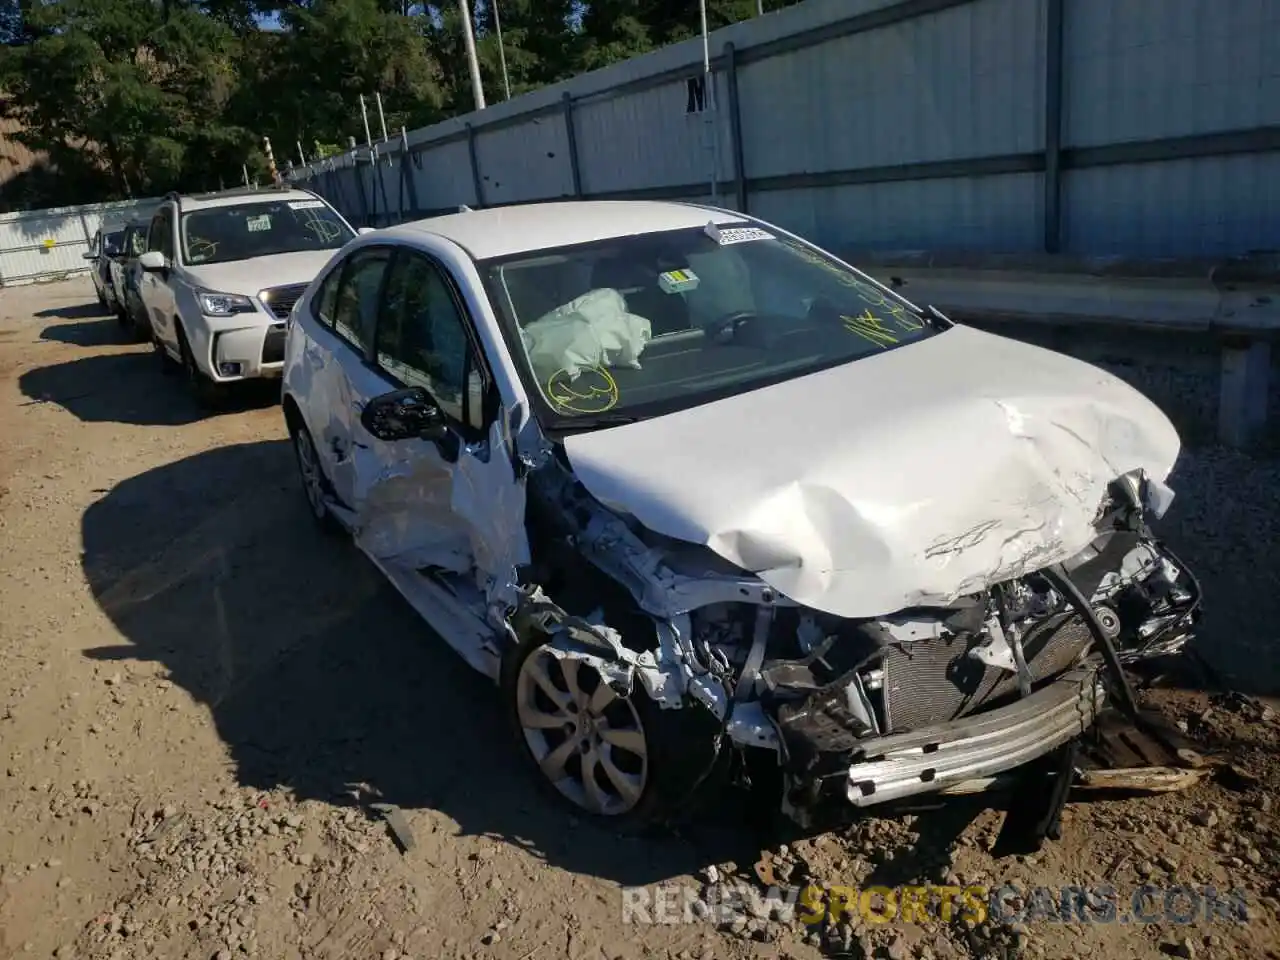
{"x":259,"y":223}
{"x":677,"y":281}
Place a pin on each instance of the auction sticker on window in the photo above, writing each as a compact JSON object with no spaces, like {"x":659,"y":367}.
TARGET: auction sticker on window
{"x":728,"y":235}
{"x":306,"y":204}
{"x":259,"y":223}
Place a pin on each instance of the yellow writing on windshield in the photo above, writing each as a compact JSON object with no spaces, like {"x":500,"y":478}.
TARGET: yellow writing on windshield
{"x":593,"y":391}
{"x":902,"y":316}
{"x":871,"y":328}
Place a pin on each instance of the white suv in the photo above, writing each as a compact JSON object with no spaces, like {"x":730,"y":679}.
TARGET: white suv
{"x":221,"y":273}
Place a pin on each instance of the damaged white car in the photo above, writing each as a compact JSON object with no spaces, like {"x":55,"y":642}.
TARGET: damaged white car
{"x":688,"y":487}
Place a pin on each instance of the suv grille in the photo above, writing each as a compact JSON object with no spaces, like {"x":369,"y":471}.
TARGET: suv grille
{"x":280,"y":300}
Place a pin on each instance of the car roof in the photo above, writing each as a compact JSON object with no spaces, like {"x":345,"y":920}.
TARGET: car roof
{"x":234,"y":198}
{"x":520,"y":228}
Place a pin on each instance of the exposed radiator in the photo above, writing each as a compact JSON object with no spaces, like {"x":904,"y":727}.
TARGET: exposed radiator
{"x":933,"y":681}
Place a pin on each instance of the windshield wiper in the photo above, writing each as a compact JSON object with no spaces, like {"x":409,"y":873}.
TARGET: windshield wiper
{"x":595,"y":421}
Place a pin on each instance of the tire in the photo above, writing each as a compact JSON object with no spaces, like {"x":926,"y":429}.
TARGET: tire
{"x":315,"y":485}
{"x":208,"y":394}
{"x":168,"y":366}
{"x":620,"y":761}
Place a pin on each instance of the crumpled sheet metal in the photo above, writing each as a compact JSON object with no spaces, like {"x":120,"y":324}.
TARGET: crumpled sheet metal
{"x":906,"y":478}
{"x":416,"y":510}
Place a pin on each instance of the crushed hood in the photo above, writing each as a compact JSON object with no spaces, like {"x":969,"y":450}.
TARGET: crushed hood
{"x":247,"y":277}
{"x":907,"y":478}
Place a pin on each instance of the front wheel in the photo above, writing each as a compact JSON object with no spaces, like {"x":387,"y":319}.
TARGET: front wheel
{"x":314,"y":484}
{"x":613,"y":757}
{"x":209,"y":394}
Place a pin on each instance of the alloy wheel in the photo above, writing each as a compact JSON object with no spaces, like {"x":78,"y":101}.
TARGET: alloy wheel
{"x":309,"y":468}
{"x":587,"y":740}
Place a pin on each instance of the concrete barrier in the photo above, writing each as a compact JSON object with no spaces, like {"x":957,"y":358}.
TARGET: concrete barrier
{"x":1237,"y":303}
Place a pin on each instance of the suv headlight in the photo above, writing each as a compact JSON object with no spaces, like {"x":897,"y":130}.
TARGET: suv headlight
{"x":224,"y":304}
{"x":1146,"y":492}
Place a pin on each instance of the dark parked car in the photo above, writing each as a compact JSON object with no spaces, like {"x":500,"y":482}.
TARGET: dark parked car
{"x":103,"y":248}
{"x":125,"y":273}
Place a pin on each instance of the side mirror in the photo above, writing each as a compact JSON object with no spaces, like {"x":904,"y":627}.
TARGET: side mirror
{"x":153,"y":260}
{"x":90,"y":255}
{"x":404,"y":415}
{"x":363,"y":230}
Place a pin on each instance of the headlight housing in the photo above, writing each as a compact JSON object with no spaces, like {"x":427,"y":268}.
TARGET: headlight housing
{"x":224,"y":304}
{"x":1146,"y":493}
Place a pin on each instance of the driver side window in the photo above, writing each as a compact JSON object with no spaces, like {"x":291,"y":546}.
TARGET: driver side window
{"x":160,"y":236}
{"x":422,"y":338}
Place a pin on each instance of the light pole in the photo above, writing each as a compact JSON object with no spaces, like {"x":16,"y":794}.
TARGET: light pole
{"x":469,"y":38}
{"x":502,"y":54}
{"x":709,"y":84}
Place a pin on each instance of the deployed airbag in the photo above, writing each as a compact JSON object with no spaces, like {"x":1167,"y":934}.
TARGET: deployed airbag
{"x":593,"y":330}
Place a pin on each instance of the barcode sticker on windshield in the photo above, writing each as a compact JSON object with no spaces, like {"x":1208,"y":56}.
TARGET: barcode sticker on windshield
{"x":727,"y":235}
{"x":258,"y":223}
{"x":678,"y":281}
{"x":306,"y":204}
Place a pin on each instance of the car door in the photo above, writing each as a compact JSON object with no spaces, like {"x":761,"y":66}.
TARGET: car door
{"x":154,"y":285}
{"x":411,"y":491}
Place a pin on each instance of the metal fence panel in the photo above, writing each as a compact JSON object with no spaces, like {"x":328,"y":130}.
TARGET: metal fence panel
{"x":38,"y":245}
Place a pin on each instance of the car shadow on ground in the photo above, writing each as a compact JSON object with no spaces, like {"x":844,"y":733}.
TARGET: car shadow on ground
{"x":130,"y":388}
{"x":97,"y":332}
{"x":317,"y":673}
{"x":73,"y":311}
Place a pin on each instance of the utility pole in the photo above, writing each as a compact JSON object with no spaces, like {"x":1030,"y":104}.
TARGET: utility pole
{"x":502,"y":53}
{"x":382,"y":120}
{"x":709,"y":84}
{"x":469,"y":38}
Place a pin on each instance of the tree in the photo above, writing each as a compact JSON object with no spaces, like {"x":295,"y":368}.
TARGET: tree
{"x":134,"y":97}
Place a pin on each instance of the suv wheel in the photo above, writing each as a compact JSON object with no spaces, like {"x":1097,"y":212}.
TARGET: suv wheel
{"x":166,"y":363}
{"x":208,"y":393}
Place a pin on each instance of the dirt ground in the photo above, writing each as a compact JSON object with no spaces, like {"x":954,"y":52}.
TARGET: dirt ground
{"x":201,"y":696}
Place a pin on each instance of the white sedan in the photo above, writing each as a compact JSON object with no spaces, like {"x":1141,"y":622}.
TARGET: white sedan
{"x":687,"y":486}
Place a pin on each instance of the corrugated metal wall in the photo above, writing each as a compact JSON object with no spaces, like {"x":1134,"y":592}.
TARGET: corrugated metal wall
{"x":1142,"y":127}
{"x":48,"y":244}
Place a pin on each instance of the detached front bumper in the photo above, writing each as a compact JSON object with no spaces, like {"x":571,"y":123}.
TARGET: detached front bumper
{"x":934,"y":758}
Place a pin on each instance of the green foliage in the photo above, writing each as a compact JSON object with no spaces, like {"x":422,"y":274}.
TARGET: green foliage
{"x":135,"y":97}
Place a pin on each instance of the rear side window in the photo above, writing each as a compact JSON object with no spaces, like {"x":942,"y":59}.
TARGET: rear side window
{"x":358,"y":295}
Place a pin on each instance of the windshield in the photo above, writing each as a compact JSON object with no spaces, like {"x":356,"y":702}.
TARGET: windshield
{"x":653,"y":323}
{"x":260,"y":229}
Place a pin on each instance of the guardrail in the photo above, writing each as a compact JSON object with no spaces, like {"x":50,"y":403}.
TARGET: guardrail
{"x":1235,"y":302}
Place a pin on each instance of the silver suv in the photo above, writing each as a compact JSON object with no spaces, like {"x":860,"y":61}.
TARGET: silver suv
{"x":221,"y":273}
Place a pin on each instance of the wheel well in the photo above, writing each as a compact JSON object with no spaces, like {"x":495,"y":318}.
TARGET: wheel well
{"x":292,"y":413}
